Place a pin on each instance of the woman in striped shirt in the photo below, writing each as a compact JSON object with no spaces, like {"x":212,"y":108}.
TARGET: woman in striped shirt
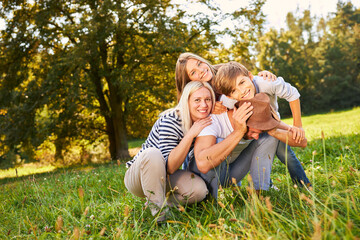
{"x":165,"y":149}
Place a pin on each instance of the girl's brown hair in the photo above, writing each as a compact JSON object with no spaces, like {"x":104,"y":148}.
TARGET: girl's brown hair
{"x":181,"y":76}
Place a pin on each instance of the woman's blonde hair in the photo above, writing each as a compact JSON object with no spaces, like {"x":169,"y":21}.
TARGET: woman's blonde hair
{"x":182,"y":108}
{"x":181,"y":76}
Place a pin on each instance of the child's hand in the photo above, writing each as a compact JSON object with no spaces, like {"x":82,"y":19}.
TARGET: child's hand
{"x":219,"y":108}
{"x":267,"y":76}
{"x":298,"y":134}
{"x":240,"y":116}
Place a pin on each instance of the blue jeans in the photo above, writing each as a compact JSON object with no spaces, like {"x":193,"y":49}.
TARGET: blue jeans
{"x":256,"y":158}
{"x":294,"y":166}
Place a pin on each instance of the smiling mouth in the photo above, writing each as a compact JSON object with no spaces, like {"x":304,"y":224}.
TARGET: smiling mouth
{"x":206,"y":71}
{"x":246,"y":94}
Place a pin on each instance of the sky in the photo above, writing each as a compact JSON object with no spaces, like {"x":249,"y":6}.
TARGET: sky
{"x":275,"y":10}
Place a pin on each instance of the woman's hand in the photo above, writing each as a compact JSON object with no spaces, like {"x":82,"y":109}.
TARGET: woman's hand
{"x":219,"y":108}
{"x":298,"y":133}
{"x":198,"y":126}
{"x":267,"y":76}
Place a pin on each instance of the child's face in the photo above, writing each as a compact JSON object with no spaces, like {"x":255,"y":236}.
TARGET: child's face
{"x":198,"y":71}
{"x":244,"y":88}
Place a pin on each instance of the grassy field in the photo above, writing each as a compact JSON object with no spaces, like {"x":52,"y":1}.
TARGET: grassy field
{"x":92,"y":202}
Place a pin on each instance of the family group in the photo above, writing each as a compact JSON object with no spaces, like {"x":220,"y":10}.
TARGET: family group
{"x":226,"y":124}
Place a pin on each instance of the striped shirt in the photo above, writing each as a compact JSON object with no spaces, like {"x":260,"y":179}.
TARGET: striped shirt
{"x":165,"y":135}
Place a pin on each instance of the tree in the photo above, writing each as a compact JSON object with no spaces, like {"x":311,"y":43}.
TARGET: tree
{"x":85,"y":59}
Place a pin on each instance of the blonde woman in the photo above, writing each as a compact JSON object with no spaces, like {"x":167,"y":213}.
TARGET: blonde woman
{"x":154,"y":171}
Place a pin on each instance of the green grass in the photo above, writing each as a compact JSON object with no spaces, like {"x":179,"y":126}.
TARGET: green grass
{"x":92,"y":202}
{"x":135,"y":143}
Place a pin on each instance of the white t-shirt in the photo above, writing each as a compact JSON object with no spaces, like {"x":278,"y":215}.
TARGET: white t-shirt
{"x":221,"y":128}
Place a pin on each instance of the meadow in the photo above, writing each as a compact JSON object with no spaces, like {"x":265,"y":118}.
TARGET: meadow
{"x":91,"y":202}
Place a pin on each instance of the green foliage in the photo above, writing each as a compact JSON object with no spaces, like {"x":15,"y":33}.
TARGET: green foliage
{"x":322,"y":63}
{"x":94,"y":68}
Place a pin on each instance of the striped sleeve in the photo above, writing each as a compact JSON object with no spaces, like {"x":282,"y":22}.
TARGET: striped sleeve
{"x":170,"y":134}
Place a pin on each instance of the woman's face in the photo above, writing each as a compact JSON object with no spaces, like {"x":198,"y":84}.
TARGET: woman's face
{"x":198,"y":71}
{"x":244,"y":88}
{"x":200,"y":104}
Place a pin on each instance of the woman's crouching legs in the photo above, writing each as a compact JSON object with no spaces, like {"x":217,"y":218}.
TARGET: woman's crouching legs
{"x":147,"y":178}
{"x":185,"y":187}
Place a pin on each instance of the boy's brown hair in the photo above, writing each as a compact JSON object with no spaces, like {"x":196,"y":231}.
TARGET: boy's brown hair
{"x":225,"y":80}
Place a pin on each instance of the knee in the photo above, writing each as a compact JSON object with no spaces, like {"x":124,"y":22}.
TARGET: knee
{"x":199,"y":191}
{"x":152,"y":157}
{"x":266,"y":139}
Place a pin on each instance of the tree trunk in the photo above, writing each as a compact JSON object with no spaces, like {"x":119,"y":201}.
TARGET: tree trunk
{"x":117,"y":137}
{"x":59,"y":146}
{"x":111,"y":109}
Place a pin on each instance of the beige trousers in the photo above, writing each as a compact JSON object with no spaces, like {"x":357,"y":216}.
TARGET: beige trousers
{"x":147,"y":178}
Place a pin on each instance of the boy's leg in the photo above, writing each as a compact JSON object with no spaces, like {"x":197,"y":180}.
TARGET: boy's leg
{"x":256,"y":158}
{"x":262,"y":159}
{"x":297,"y":173}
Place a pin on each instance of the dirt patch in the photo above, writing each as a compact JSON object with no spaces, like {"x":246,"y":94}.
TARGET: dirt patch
{"x":134,"y":151}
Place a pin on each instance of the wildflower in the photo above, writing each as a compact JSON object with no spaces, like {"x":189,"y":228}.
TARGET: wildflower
{"x":308,"y":200}
{"x":126,"y":211}
{"x":221,"y":204}
{"x":221,"y":221}
{"x":335,"y":214}
{"x":92,"y":217}
{"x":86,"y":211}
{"x":47,"y":229}
{"x":349,"y":225}
{"x":118,"y":232}
{"x":102,"y":231}
{"x":268,"y":204}
{"x":317,"y":230}
{"x":181,"y":209}
{"x":76,"y":233}
{"x":81,"y":192}
{"x":234,"y":181}
{"x":59,"y":224}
